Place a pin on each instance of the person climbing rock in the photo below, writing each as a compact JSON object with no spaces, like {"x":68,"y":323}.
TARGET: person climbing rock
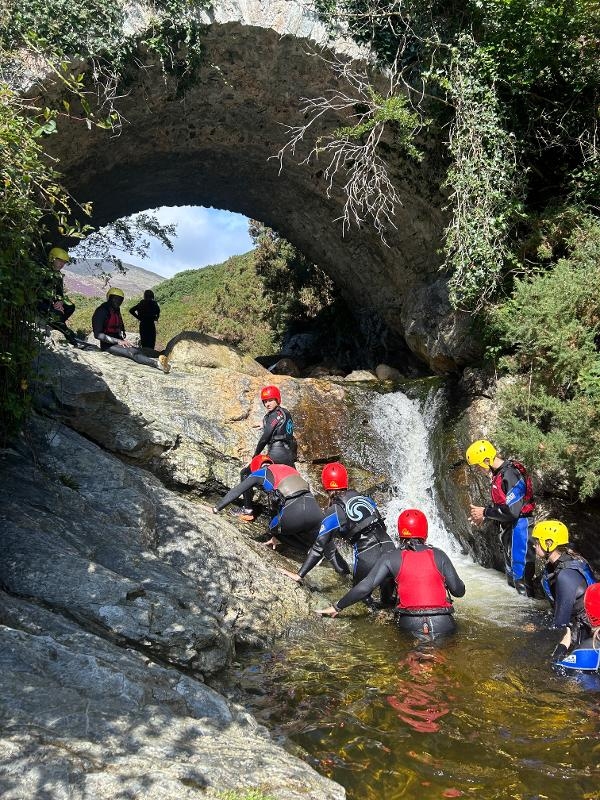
{"x":565,"y":578}
{"x":277,"y":436}
{"x":297,"y":514}
{"x":512,"y":504}
{"x":109,"y":329}
{"x":54,"y":305}
{"x":355,"y":518}
{"x":147,"y":313}
{"x":425,"y":580}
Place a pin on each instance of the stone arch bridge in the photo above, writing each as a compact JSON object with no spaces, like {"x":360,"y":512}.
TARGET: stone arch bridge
{"x":214,"y":147}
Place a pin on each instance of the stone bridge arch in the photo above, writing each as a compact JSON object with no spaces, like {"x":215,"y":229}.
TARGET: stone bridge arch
{"x":214,"y":147}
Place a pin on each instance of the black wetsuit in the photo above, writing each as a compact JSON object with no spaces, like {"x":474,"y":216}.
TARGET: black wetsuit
{"x":147,"y":313}
{"x":564,"y":581}
{"x":298,"y":515}
{"x":429,"y":620}
{"x":53,"y":290}
{"x":109,"y":329}
{"x":356,"y":519}
{"x":512,"y":505}
{"x":278,"y":437}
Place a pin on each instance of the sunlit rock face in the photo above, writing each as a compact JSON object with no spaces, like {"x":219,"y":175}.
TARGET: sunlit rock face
{"x":214,"y":144}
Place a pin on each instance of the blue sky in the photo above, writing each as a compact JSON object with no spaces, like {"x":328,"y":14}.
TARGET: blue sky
{"x":204,"y":236}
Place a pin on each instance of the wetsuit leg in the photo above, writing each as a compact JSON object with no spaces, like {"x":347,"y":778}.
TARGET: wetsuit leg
{"x":147,"y":334}
{"x":68,"y":312}
{"x":248,"y":496}
{"x":299,"y":522}
{"x":425,"y":627}
{"x":518,"y":554}
{"x":134,"y":354}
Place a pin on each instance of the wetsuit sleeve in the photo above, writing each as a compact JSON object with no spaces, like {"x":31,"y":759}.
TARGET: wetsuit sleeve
{"x":156,"y":311}
{"x":328,"y":527}
{"x":269,"y":424}
{"x":248,"y":483}
{"x":135,"y":311}
{"x":385,"y":567}
{"x":514,"y":487}
{"x":453,"y":583}
{"x":567,"y":583}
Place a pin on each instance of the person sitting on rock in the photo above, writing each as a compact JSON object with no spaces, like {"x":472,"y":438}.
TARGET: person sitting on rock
{"x":356,"y":519}
{"x":109,"y":329}
{"x":147,"y":312}
{"x":277,"y":436}
{"x":425,"y":579}
{"x":297,"y":514}
{"x":53,"y":305}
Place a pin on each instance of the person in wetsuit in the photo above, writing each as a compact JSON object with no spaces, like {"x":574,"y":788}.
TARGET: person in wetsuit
{"x":511,"y":507}
{"x":356,"y":519}
{"x":583,"y":658}
{"x":147,"y":312}
{"x":298,"y":515}
{"x":424,"y":577}
{"x":109,"y":329}
{"x":277,"y":436}
{"x":53,"y":305}
{"x":565,"y":578}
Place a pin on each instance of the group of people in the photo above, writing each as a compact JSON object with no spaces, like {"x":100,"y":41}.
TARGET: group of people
{"x":107,"y":323}
{"x":414,"y":578}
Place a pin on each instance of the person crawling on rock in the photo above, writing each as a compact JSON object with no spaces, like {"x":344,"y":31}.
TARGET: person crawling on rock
{"x":109,"y":329}
{"x":298,"y":515}
{"x":277,"y":436}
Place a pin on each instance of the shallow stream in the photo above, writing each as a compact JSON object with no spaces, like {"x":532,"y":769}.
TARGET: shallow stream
{"x":479,"y":715}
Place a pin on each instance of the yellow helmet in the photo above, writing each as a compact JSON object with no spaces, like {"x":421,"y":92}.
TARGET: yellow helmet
{"x":480,"y":451}
{"x":551,"y":534}
{"x":114,"y":292}
{"x":58,"y":252}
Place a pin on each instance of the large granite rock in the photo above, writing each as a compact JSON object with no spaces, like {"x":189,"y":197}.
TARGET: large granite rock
{"x":83,"y":719}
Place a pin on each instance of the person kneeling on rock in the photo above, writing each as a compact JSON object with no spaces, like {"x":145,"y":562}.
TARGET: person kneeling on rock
{"x":298,"y":516}
{"x":425,"y":580}
{"x":109,"y":329}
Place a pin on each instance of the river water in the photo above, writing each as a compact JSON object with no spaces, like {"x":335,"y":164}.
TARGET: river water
{"x":479,"y":715}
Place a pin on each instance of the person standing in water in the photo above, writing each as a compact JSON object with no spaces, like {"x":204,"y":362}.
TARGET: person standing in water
{"x":147,"y":312}
{"x":512,"y":504}
{"x":277,"y":436}
{"x":565,"y":578}
{"x":425,"y":579}
{"x":356,"y":519}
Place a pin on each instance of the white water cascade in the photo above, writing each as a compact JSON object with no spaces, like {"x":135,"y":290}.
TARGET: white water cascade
{"x":404,"y":427}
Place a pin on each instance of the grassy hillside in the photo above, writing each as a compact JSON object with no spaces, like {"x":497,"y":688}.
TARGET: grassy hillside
{"x":225,"y":300}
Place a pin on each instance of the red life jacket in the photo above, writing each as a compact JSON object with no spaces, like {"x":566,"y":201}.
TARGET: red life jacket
{"x":419,"y":582}
{"x":114,"y":323}
{"x":287,"y":481}
{"x":498,"y":494}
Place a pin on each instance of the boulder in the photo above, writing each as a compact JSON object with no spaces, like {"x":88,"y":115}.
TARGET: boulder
{"x":386,"y":373}
{"x":359,"y":375}
{"x":191,"y":350}
{"x":285,"y":366}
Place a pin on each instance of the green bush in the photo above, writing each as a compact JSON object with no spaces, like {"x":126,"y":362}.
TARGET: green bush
{"x":550,"y":413}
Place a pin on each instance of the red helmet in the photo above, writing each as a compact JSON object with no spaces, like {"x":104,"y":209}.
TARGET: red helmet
{"x":270,"y":393}
{"x":334,"y":476}
{"x":259,"y":461}
{"x":591,"y":601}
{"x":412,"y":524}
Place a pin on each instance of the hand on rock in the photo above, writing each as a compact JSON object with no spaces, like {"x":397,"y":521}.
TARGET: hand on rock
{"x":476,"y":515}
{"x":330,"y":611}
{"x":291,"y":575}
{"x":272,"y":543}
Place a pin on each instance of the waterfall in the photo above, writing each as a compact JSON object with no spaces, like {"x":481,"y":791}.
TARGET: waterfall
{"x":404,"y":430}
{"x":403,"y":427}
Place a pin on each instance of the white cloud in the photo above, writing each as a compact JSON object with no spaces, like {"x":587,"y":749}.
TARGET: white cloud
{"x":204,"y":236}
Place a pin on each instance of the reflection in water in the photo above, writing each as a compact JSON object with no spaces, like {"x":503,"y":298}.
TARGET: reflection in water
{"x":477,"y":715}
{"x":417,"y":699}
